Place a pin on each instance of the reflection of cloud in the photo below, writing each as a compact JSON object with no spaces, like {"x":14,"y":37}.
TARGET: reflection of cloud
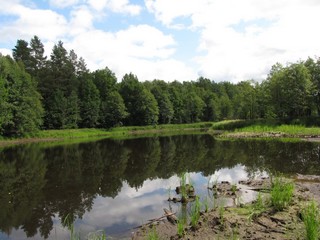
{"x":132,"y":207}
{"x":232,"y":175}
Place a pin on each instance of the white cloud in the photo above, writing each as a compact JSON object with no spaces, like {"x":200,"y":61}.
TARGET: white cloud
{"x":142,"y":50}
{"x":272,"y":31}
{"x":63,"y":3}
{"x":5,"y":52}
{"x":81,"y":20}
{"x":47,"y":24}
{"x":118,"y":6}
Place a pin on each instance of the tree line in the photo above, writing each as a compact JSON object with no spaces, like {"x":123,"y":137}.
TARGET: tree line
{"x":60,"y":92}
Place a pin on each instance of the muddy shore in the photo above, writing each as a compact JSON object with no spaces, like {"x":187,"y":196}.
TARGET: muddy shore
{"x":242,"y":221}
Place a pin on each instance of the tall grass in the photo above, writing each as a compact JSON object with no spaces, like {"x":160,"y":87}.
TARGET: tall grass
{"x":311,"y":219}
{"x":183,"y":187}
{"x":195,"y":213}
{"x":286,"y":129}
{"x":180,"y":226}
{"x":153,"y":235}
{"x":281,"y":193}
{"x":258,"y":207}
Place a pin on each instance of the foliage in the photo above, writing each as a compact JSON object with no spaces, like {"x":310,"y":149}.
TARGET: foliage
{"x":152,"y":234}
{"x":281,"y":193}
{"x":180,"y":227}
{"x":195,"y":213}
{"x":20,"y":102}
{"x":311,"y":219}
{"x":72,"y":96}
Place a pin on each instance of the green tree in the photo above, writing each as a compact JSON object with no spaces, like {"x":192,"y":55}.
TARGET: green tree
{"x":72,"y":111}
{"x":176,"y":96}
{"x":89,"y":103}
{"x":112,"y":108}
{"x":193,"y":107}
{"x":38,"y":60}
{"x":160,"y":92}
{"x":245,"y":101}
{"x":5,"y":114}
{"x":314,"y":70}
{"x":140,"y":103}
{"x":22,"y":104}
{"x":290,"y":89}
{"x":22,"y":53}
{"x":211,"y":110}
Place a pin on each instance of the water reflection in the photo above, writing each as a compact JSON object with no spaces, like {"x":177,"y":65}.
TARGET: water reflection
{"x":114,"y":185}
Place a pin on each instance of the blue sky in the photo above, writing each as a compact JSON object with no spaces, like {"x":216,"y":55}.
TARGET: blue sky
{"x":223,"y":40}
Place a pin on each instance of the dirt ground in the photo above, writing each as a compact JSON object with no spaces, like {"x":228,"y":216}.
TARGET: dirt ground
{"x":242,"y":222}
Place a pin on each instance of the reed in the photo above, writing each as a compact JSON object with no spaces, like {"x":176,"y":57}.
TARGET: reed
{"x":281,"y":193}
{"x":195,"y":213}
{"x":311,"y":219}
{"x":153,"y":235}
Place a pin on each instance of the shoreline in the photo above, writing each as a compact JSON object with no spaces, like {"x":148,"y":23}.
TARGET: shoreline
{"x":221,"y":130}
{"x":246,"y":221}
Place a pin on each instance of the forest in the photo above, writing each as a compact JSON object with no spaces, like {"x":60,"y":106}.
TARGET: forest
{"x":60,"y":92}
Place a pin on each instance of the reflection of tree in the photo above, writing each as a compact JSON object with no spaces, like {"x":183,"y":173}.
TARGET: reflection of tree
{"x":143,"y":160}
{"x":39,"y":183}
{"x":21,"y":183}
{"x":115,"y":159}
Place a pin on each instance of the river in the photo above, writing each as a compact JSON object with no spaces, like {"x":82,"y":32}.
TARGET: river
{"x":116,"y":185}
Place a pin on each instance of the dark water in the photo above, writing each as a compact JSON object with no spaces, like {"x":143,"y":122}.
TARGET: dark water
{"x":116,"y":185}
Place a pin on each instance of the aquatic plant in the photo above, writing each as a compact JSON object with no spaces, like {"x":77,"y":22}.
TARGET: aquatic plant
{"x":258,"y":207}
{"x":152,"y":234}
{"x":180,"y":226}
{"x":99,"y":235}
{"x":233,"y":189}
{"x":281,"y":193}
{"x":311,"y":219}
{"x":221,"y":213}
{"x":195,"y":212}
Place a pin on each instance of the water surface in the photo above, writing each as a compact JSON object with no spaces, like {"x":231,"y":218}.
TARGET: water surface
{"x":116,"y":185}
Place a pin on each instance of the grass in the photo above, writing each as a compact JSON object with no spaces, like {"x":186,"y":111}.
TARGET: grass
{"x":117,"y":132}
{"x":183,"y":188}
{"x":291,"y":128}
{"x":311,"y":219}
{"x":195,"y":213}
{"x":258,"y":207}
{"x":221,"y":213}
{"x":285,"y":129}
{"x":281,"y":193}
{"x":153,"y":235}
{"x":180,"y":227}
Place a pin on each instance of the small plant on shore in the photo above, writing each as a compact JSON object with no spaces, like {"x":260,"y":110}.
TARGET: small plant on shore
{"x":183,"y":190}
{"x":99,"y":235}
{"x":257,"y":208}
{"x":180,"y":226}
{"x":221,"y":214}
{"x":206,"y":205}
{"x":153,"y":235}
{"x":281,"y":193}
{"x":195,"y":213}
{"x":233,"y":189}
{"x":311,"y":219}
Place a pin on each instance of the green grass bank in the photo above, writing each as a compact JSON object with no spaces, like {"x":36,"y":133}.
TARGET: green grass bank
{"x":228,"y":129}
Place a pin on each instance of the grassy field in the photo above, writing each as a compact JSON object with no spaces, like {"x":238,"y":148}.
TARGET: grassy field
{"x":85,"y":134}
{"x":227,"y":129}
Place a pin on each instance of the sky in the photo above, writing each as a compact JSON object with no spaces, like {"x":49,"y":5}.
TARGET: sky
{"x":223,"y":40}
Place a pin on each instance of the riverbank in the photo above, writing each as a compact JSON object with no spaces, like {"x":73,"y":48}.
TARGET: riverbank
{"x":85,"y":134}
{"x":262,"y":218}
{"x":229,"y":129}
